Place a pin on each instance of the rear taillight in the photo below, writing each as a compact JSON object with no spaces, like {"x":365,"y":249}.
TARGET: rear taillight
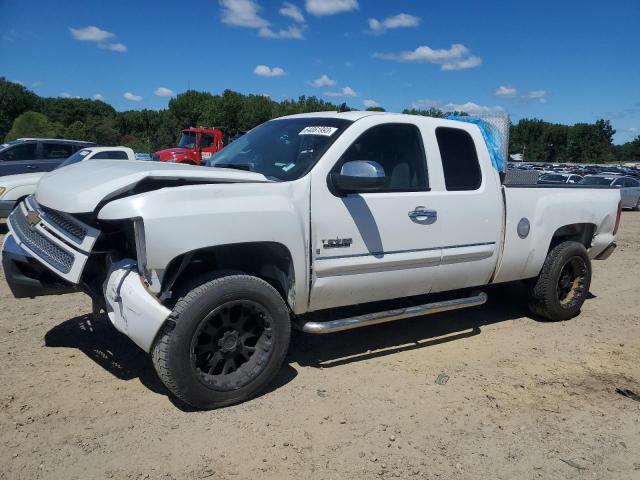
{"x":615,"y":228}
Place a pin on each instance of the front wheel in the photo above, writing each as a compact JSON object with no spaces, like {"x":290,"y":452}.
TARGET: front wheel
{"x":563,"y":284}
{"x":226,"y":342}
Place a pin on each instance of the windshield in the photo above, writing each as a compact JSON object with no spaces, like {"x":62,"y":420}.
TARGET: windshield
{"x":281,"y":149}
{"x":75,"y":158}
{"x":188,"y":140}
{"x":595,"y":181}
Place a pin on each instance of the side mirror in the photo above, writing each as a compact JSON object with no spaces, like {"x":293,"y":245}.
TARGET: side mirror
{"x":358,"y":176}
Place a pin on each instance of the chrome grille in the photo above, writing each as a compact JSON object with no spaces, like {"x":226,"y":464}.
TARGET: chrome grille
{"x":47,"y":250}
{"x":72,"y":229}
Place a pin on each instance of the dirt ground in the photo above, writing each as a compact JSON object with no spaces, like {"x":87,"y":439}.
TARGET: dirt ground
{"x":524,"y":398}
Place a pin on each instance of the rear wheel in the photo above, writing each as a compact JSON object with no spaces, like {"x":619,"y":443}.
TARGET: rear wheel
{"x":562,"y":286}
{"x":228,"y":340}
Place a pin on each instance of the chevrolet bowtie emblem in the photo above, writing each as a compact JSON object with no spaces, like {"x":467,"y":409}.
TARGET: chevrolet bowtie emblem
{"x":33,"y":218}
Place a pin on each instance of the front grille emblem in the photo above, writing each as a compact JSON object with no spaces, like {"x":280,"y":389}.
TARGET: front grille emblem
{"x":33,"y":219}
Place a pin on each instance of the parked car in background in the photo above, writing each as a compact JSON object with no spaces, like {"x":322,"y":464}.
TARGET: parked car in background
{"x":196,"y":145}
{"x":15,"y":188}
{"x":629,"y":188}
{"x":549,"y":178}
{"x":36,"y":154}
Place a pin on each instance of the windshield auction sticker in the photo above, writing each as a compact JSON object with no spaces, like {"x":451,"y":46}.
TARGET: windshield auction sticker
{"x":325,"y":131}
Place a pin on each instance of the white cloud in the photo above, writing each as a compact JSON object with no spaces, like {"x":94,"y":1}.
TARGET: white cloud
{"x":19,"y":82}
{"x":164,"y":92}
{"x":291,"y":32}
{"x":91,"y":34}
{"x":99,"y":36}
{"x":469,"y":107}
{"x":242,"y":13}
{"x":402,"y":20}
{"x":98,"y":96}
{"x":512,"y":92}
{"x":66,"y":95}
{"x":114,"y":47}
{"x":322,"y":81}
{"x":535,"y":95}
{"x":131,"y":97}
{"x":246,"y":13}
{"x":370,"y":103}
{"x":265,"y":71}
{"x":321,"y":8}
{"x":456,"y":57}
{"x":508,"y":92}
{"x":345,"y":92}
{"x":292,"y":11}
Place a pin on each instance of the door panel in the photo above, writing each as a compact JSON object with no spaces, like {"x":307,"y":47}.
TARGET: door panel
{"x":369,"y":246}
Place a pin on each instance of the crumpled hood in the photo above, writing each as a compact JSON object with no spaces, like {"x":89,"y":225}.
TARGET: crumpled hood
{"x":81,"y":187}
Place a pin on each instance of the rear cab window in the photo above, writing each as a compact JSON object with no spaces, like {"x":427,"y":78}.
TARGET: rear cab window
{"x":111,"y":155}
{"x":459,"y":159}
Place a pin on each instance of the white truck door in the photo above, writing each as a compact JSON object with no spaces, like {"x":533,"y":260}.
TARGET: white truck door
{"x":372,"y":246}
{"x":466,"y":192}
{"x":431,"y":228}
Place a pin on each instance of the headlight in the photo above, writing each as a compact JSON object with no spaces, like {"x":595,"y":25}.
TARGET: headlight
{"x":2,"y":190}
{"x":141,"y":248}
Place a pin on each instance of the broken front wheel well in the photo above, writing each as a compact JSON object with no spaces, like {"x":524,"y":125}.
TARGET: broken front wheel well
{"x":269,"y":261}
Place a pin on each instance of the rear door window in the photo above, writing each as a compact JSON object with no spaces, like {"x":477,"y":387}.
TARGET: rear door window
{"x":26,"y":151}
{"x":56,"y":150}
{"x":459,"y":159}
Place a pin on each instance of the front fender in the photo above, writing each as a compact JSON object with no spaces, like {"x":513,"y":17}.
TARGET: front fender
{"x":178,"y":220}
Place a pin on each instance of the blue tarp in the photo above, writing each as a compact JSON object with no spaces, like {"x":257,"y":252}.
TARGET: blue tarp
{"x":491,"y":136}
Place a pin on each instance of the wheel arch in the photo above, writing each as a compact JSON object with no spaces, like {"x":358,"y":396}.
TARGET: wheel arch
{"x":270,"y":261}
{"x":576,"y":232}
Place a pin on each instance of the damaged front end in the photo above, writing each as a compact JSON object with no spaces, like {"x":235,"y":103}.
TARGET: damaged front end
{"x":48,"y":252}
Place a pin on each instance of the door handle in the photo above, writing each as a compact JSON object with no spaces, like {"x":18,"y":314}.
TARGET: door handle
{"x":422,"y":214}
{"x":31,"y":167}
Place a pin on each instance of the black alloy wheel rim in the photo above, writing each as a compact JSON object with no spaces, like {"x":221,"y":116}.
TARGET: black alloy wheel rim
{"x":571,"y":285}
{"x":232,"y":344}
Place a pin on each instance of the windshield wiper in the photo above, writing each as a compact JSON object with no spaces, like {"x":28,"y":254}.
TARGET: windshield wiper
{"x":236,"y":166}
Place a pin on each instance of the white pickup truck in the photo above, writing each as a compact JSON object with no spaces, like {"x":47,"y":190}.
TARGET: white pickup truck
{"x":207,"y":269}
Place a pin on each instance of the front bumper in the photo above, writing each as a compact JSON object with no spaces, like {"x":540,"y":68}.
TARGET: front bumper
{"x":130,"y":307}
{"x":28,"y":278}
{"x":6,"y":206}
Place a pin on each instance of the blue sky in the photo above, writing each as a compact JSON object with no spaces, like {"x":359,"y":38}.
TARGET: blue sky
{"x":562,"y":61}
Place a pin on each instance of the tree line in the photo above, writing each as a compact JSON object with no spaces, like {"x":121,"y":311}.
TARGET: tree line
{"x":25,"y":114}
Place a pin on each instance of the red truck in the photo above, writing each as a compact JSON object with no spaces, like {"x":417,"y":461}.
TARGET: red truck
{"x":195,"y":146}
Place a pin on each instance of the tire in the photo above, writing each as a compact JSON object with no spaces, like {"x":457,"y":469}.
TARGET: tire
{"x":637,"y":207}
{"x":563,"y":284}
{"x":225,"y":341}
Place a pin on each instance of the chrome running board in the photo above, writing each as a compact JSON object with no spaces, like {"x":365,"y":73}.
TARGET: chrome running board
{"x":477,"y":298}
